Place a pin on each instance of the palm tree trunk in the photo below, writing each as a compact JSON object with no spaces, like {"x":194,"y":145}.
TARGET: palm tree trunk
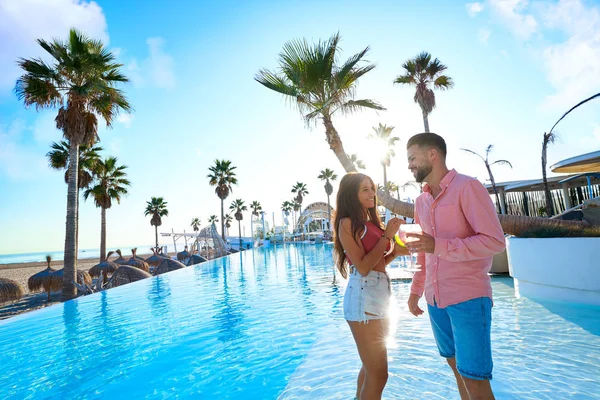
{"x":493,"y":182}
{"x":103,"y":235}
{"x":425,"y":121}
{"x":222,"y":220}
{"x":549,"y":205}
{"x":156,"y":235}
{"x":68,"y":288}
{"x":240,"y":233}
{"x":385,"y":178}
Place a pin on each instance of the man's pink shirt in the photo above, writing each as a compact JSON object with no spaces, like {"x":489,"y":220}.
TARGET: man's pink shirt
{"x":467,"y":233}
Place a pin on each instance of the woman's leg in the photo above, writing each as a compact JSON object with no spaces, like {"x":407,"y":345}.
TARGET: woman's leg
{"x":370,"y":340}
{"x":360,"y":381}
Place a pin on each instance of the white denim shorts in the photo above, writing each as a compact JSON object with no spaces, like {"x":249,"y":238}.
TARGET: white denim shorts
{"x":367,"y":297}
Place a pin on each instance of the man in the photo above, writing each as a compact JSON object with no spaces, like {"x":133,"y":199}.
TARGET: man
{"x":461,"y":233}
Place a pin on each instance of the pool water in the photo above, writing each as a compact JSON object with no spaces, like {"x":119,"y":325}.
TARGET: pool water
{"x":268,"y":324}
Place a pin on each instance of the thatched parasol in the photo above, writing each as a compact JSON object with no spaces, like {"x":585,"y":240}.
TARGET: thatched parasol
{"x":105,"y":267}
{"x":155,"y":258}
{"x":182,"y":255}
{"x":46,"y":279}
{"x":168,"y":266}
{"x":120,"y":260}
{"x":196,"y":259}
{"x":126,"y":274}
{"x":83,"y":278}
{"x":10,"y":290}
{"x":134,"y":261}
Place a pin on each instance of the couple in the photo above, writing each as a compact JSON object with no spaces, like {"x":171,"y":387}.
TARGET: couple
{"x":461,"y":233}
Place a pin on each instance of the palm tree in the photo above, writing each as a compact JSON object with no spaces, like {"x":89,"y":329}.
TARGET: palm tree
{"x":195,"y":224}
{"x":222,"y":177}
{"x":391,"y":187}
{"x":58,"y":158}
{"x":80,"y":82}
{"x":424,"y":73}
{"x":300,"y":189}
{"x":110,"y":183}
{"x":238,"y":206}
{"x":358,"y":164}
{"x":157,"y":207}
{"x":319,"y":86}
{"x":550,"y":138}
{"x":488,"y":166}
{"x":287,"y":207}
{"x":228,"y":220}
{"x":383,"y":135}
{"x":213,"y":219}
{"x":328,"y":175}
{"x":256,"y":209}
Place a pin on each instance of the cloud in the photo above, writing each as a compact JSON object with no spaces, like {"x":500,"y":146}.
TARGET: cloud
{"x":156,"y":70}
{"x":44,"y":129}
{"x":125,"y":119}
{"x":16,"y":162}
{"x":24,"y":21}
{"x":512,"y":14}
{"x":484,"y":35}
{"x":474,"y":8}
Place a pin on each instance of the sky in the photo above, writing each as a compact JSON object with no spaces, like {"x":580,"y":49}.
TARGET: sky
{"x":517,"y":65}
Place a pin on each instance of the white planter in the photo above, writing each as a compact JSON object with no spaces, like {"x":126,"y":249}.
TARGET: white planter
{"x":566,"y":269}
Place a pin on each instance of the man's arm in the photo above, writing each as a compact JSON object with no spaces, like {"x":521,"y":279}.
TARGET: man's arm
{"x":479,"y":211}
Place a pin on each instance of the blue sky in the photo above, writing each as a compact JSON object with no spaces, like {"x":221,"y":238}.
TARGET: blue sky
{"x":517,"y":66}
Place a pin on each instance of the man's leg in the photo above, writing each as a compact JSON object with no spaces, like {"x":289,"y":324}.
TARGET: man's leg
{"x":442,"y":332}
{"x":471,"y":322}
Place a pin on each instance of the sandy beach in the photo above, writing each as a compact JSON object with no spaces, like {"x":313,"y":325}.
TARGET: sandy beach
{"x":21,"y":272}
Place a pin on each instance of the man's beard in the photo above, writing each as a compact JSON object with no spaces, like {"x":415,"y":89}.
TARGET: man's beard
{"x":422,"y":173}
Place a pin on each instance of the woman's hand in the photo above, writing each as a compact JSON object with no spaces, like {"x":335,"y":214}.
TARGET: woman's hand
{"x":400,"y":250}
{"x":392,"y":227}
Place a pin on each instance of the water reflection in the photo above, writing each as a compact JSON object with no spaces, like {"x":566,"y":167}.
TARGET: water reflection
{"x":230,"y":318}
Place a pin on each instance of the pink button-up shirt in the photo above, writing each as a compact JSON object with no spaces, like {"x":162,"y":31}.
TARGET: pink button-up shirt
{"x":467,"y":233}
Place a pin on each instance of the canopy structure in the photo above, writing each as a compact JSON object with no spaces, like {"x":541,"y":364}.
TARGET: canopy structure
{"x":589,"y":162}
{"x":207,"y":242}
{"x":317,"y":211}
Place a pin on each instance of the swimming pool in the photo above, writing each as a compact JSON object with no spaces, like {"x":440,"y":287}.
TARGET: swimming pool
{"x":267,"y":324}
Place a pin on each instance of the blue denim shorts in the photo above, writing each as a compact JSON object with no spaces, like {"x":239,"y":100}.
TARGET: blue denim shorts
{"x":462,"y":331}
{"x":367,"y":297}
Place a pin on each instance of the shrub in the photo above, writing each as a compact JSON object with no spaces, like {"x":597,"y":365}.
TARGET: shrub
{"x":554,"y":232}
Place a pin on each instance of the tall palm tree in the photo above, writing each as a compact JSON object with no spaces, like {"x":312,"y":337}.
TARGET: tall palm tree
{"x":358,"y":164}
{"x":423,"y":73}
{"x":110,"y":183}
{"x":328,"y":175}
{"x":383,"y":134}
{"x":391,"y":187}
{"x":222,"y":177}
{"x":256,"y":208}
{"x":213,"y":219}
{"x":296,"y":207}
{"x":549,"y":138}
{"x":58,"y":158}
{"x":81,"y":82}
{"x":157,"y":207}
{"x":488,"y":166}
{"x":238,"y":206}
{"x":320,"y":87}
{"x":300,"y":189}
{"x":195,"y":224}
{"x":286,"y":207}
{"x":228,"y":220}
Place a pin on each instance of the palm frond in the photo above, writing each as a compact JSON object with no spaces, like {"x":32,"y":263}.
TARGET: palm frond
{"x":571,"y":109}
{"x":502,"y":162}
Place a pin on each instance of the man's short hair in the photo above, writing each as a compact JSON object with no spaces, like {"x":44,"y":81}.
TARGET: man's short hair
{"x":430,"y":140}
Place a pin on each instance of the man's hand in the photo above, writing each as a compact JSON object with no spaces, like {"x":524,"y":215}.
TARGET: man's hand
{"x":413,"y":305}
{"x":425,"y":244}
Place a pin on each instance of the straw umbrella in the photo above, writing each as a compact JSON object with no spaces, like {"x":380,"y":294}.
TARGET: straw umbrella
{"x":168,"y":266}
{"x":10,"y":290}
{"x":196,"y":259}
{"x":126,"y":274}
{"x":46,"y":279}
{"x":105,"y":267}
{"x":134,"y":261}
{"x":121,"y":260}
{"x":83,"y":277}
{"x":182,"y":255}
{"x":155,"y":258}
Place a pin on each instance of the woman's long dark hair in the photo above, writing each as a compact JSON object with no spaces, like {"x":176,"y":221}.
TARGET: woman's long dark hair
{"x":348,"y":206}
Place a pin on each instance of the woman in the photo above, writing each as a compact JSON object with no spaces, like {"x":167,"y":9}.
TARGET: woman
{"x":362,"y":250}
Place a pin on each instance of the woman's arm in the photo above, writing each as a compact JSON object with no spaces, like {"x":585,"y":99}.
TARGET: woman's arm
{"x":364,"y":262}
{"x":398,"y":251}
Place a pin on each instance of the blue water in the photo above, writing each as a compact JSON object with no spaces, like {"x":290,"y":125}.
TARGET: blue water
{"x":267,"y":324}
